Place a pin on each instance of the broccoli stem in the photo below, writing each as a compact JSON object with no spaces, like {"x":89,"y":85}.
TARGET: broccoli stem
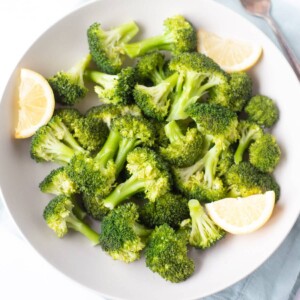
{"x":109,"y":149}
{"x":126,"y":145}
{"x":123,"y":191}
{"x":173,"y":132}
{"x":104,"y":80}
{"x":161,"y":42}
{"x":78,"y":69}
{"x":125,"y":32}
{"x":141,"y":230}
{"x":84,"y":229}
{"x":78,"y":212}
{"x":244,"y":143}
{"x":63,"y":152}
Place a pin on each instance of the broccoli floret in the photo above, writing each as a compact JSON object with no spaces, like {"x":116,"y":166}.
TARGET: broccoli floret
{"x":197,"y":74}
{"x":107,"y":112}
{"x":262,"y":110}
{"x":166,"y":254}
{"x":226,"y":160}
{"x":202,"y":231}
{"x":265,"y":153}
{"x":249,"y":132}
{"x":54,"y":142}
{"x":149,"y":174}
{"x":245,"y":180}
{"x":215,"y":120}
{"x":90,"y":133}
{"x":183,"y":149}
{"x":113,"y":89}
{"x":68,"y":86}
{"x":106,"y":46}
{"x":60,"y":217}
{"x":179,"y":36}
{"x":234,"y":95}
{"x":58,"y":182}
{"x":151,"y":67}
{"x":168,"y":209}
{"x":122,"y":237}
{"x":154,"y":101}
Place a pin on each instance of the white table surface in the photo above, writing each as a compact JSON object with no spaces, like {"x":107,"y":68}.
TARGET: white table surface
{"x":23,"y":273}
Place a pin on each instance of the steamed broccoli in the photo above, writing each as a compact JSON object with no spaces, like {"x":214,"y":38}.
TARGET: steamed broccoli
{"x":168,"y":209}
{"x":122,"y":237}
{"x":202,"y":231}
{"x":218,"y":125}
{"x":262,"y":110}
{"x":113,"y":88}
{"x":179,"y":36}
{"x":265,"y":153}
{"x":235,"y":95}
{"x":166,"y":254}
{"x":60,"y":217}
{"x":249,"y":132}
{"x":54,"y":142}
{"x":106,"y":46}
{"x":245,"y":180}
{"x":58,"y":182}
{"x":90,"y":133}
{"x":68,"y":86}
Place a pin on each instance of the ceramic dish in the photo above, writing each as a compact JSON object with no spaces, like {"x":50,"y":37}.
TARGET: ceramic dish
{"x":217,"y":268}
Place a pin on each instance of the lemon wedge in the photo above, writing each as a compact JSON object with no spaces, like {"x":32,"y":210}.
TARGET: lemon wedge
{"x":232,"y":55}
{"x":242,"y":215}
{"x":35,"y":103}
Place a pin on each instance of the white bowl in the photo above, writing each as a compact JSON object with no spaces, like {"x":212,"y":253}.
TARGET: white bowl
{"x":217,"y":268}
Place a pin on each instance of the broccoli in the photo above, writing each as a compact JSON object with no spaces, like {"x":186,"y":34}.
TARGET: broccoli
{"x":265,"y":153}
{"x":166,"y":254}
{"x":122,"y":237}
{"x":218,"y":125}
{"x":234,"y":95}
{"x":226,"y":160}
{"x":262,"y":110}
{"x":60,"y":217}
{"x":95,"y":176}
{"x":183,"y":149}
{"x":179,"y":36}
{"x":106,"y":46}
{"x":54,"y":142}
{"x":249,"y":132}
{"x":245,"y":180}
{"x":202,"y":231}
{"x":151,"y":67}
{"x":168,"y":209}
{"x":108,"y":112}
{"x":149,"y":174}
{"x":113,"y":88}
{"x":68,"y":86}
{"x":197,"y":75}
{"x":90,"y":133}
{"x":58,"y":182}
{"x":154,"y":101}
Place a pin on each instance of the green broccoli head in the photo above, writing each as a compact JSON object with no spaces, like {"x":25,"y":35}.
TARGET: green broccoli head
{"x":234,"y":95}
{"x":155,"y":100}
{"x":179,"y":36}
{"x":68,"y":86}
{"x":202,"y":231}
{"x":60,"y":217}
{"x":166,"y":254}
{"x":226,"y":160}
{"x":262,"y":110}
{"x":215,"y":120}
{"x":58,"y":182}
{"x":113,"y":89}
{"x":121,"y":236}
{"x":106,"y":46}
{"x":54,"y":142}
{"x":168,"y":209}
{"x":183,"y":148}
{"x":197,"y":75}
{"x":245,"y":180}
{"x":265,"y":153}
